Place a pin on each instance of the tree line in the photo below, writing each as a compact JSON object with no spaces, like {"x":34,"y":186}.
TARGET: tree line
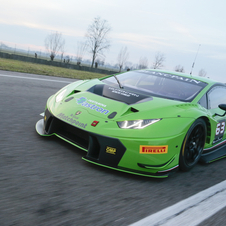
{"x":96,"y":42}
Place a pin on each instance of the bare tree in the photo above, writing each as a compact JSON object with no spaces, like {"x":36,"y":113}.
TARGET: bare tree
{"x":54,"y":43}
{"x":159,"y":59}
{"x":100,"y":61}
{"x":122,"y":57}
{"x":3,"y":46}
{"x":143,"y":63}
{"x":97,"y":38}
{"x":81,"y":49}
{"x":68,"y":59}
{"x":179,"y":68}
{"x":130,"y":65}
{"x":202,"y":73}
{"x":62,"y":50}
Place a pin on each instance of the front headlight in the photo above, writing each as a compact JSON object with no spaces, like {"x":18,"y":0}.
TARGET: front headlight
{"x":136,"y":124}
{"x":60,"y":96}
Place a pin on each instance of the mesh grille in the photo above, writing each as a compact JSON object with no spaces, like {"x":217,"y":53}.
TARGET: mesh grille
{"x":69,"y":132}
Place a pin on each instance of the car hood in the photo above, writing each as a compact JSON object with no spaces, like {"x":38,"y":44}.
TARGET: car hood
{"x":109,"y":103}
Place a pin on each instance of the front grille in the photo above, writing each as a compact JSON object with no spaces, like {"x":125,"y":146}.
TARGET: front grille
{"x":69,"y":132}
{"x":95,"y":144}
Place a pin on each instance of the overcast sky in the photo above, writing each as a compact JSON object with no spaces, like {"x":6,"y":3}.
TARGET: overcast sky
{"x":175,"y":28}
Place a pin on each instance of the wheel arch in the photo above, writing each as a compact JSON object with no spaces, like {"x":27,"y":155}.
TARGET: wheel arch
{"x":208,"y":127}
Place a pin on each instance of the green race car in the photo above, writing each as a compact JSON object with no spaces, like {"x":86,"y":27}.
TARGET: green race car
{"x":145,"y":122}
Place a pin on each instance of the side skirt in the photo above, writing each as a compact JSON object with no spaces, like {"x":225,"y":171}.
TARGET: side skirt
{"x":213,"y":154}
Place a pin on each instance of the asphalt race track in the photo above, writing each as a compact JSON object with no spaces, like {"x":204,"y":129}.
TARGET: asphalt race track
{"x":44,"y":181}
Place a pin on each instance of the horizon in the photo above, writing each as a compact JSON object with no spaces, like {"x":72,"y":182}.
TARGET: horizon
{"x":177,"y":29}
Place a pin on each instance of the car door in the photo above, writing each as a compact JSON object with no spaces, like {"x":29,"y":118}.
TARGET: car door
{"x":215,"y":96}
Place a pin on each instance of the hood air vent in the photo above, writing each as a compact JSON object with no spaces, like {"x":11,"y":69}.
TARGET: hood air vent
{"x":122,"y":95}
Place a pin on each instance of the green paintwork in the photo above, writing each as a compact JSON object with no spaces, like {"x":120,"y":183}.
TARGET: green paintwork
{"x":177,"y":117}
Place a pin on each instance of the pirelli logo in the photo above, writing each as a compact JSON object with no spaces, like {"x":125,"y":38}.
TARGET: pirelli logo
{"x":111,"y":150}
{"x":144,"y":149}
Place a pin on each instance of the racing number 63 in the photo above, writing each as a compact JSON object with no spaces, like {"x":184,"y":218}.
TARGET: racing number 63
{"x":220,"y":128}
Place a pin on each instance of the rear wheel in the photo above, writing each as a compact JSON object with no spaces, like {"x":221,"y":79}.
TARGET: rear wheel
{"x":193,"y":145}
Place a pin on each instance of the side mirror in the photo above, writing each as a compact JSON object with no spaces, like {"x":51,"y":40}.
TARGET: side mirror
{"x":222,"y":107}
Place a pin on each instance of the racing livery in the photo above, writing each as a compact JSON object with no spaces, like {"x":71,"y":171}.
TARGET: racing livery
{"x":145,"y":122}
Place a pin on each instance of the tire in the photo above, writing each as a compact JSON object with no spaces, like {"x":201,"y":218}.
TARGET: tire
{"x":193,"y":145}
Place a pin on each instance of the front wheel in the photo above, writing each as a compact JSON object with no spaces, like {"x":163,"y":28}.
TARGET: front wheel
{"x":193,"y":145}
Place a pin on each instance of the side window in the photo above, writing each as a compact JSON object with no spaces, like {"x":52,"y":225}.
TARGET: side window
{"x":216,"y":96}
{"x":203,"y":101}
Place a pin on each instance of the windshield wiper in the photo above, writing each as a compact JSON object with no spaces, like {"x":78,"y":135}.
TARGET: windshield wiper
{"x":120,"y":86}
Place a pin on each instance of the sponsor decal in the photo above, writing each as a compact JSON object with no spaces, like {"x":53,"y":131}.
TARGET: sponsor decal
{"x":219,"y":131}
{"x":94,"y":123}
{"x":144,"y":149}
{"x":89,"y":104}
{"x":123,"y":95}
{"x":123,"y":92}
{"x":74,"y":116}
{"x":111,"y":150}
{"x":78,"y":113}
{"x":176,"y":77}
{"x":72,"y":120}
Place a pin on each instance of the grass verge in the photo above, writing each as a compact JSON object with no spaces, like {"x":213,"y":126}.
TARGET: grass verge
{"x":21,"y":66}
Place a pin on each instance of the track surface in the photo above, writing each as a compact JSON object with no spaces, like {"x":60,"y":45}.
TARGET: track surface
{"x":44,"y":181}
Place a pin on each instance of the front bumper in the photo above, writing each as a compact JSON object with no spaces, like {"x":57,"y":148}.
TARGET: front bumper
{"x":106,"y":151}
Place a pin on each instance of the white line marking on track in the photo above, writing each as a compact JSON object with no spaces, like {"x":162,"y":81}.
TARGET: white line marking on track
{"x":191,"y":211}
{"x":39,"y":79}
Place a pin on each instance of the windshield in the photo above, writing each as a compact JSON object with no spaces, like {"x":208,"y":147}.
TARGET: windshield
{"x":159,"y":84}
